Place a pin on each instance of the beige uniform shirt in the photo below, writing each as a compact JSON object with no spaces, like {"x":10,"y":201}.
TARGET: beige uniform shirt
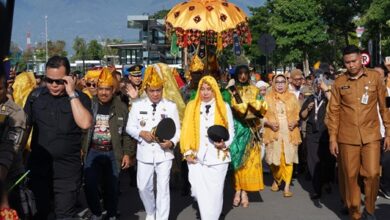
{"x":353,"y":114}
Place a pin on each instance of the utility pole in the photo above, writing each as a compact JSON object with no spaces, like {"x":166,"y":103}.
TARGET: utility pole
{"x":47,"y":52}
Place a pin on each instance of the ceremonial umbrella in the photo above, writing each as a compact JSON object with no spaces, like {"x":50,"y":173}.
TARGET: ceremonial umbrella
{"x":216,"y":22}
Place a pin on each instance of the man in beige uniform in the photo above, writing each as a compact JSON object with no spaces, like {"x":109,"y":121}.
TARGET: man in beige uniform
{"x":12,"y":129}
{"x":354,"y":130}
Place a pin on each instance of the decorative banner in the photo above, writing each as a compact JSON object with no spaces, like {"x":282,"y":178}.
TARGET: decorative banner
{"x":174,"y":47}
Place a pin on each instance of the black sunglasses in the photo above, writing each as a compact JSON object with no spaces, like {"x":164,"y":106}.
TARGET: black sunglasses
{"x":90,"y":84}
{"x":57,"y":81}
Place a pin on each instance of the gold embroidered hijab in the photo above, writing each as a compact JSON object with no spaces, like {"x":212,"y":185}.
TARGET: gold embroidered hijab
{"x":292,"y":112}
{"x":24,"y":83}
{"x":189,"y":138}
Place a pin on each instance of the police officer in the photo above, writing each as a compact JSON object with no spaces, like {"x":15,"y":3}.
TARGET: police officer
{"x":133,"y":88}
{"x":57,"y":114}
{"x":129,"y":94}
{"x":12,"y":129}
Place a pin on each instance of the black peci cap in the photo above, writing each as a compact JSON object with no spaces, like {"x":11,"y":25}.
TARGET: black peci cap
{"x":165,"y":130}
{"x":217,"y":133}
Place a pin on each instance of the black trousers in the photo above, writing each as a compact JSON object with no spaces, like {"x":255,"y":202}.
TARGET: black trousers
{"x":385,"y":178}
{"x":320,"y":162}
{"x":55,"y":190}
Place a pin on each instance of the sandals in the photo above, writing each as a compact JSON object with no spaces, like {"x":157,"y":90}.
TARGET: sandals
{"x":237,"y":199}
{"x":244,"y":200}
{"x":274,"y":187}
{"x":287,"y":194}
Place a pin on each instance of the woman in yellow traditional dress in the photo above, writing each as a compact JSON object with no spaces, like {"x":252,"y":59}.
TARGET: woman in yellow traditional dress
{"x":281,"y":133}
{"x":246,"y":147}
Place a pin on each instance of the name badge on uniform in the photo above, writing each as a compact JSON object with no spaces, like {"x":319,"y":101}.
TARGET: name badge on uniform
{"x":365,"y":96}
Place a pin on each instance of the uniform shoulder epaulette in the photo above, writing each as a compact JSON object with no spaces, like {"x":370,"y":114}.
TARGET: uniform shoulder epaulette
{"x":12,"y":105}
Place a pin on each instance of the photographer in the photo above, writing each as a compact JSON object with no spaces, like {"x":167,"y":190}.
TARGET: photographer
{"x":384,"y":184}
{"x":320,"y":162}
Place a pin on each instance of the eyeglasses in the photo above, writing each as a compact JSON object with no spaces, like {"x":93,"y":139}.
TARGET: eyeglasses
{"x":57,"y":81}
{"x":298,"y":79}
{"x":280,"y":82}
{"x":88,"y":84}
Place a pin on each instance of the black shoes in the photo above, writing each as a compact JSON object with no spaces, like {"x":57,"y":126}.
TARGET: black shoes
{"x":315,"y":196}
{"x":368,"y":216}
{"x":385,"y":194}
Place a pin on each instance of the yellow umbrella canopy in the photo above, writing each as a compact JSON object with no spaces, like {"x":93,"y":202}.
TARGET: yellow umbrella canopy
{"x":218,"y":21}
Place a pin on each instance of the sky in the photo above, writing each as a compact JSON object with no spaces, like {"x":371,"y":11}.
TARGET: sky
{"x":90,"y":19}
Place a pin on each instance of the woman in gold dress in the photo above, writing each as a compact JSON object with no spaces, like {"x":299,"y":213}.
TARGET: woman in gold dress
{"x":281,"y":133}
{"x":245,"y":150}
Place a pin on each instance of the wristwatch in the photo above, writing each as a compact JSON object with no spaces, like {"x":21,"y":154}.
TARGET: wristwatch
{"x":74,"y":96}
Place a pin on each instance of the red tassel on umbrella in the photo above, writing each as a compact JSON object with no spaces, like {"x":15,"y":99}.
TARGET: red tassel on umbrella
{"x":249,"y":38}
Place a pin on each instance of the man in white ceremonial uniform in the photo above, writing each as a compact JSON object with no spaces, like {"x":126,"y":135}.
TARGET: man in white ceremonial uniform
{"x":153,"y":157}
{"x":208,"y":161}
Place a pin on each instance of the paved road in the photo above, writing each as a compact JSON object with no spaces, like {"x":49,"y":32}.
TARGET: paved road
{"x":264,"y":205}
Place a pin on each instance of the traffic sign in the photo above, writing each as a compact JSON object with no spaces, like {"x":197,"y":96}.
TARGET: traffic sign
{"x":360,"y":31}
{"x":365,"y":59}
{"x":267,"y":44}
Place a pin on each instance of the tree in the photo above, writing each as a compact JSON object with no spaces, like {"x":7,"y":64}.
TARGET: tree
{"x":95,"y":50}
{"x":108,"y":50}
{"x":297,"y":28}
{"x":54,"y":48}
{"x":376,"y":19}
{"x":80,"y":48}
{"x":15,"y":53}
{"x":160,"y":14}
{"x":258,"y":24}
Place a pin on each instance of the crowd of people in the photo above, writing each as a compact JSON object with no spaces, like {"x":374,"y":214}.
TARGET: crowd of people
{"x":68,"y":132}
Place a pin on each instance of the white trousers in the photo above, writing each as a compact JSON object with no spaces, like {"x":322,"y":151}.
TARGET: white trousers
{"x":207,"y":183}
{"x":159,"y":206}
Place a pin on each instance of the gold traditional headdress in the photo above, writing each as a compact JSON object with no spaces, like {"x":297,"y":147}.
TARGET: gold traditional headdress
{"x":92,"y":74}
{"x":152,"y":79}
{"x":106,"y":78}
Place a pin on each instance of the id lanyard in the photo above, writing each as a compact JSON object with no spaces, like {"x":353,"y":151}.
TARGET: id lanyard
{"x":317,"y":107}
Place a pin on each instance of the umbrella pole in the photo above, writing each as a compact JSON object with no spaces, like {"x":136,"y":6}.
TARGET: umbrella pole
{"x":207,"y":56}
{"x":185,"y":59}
